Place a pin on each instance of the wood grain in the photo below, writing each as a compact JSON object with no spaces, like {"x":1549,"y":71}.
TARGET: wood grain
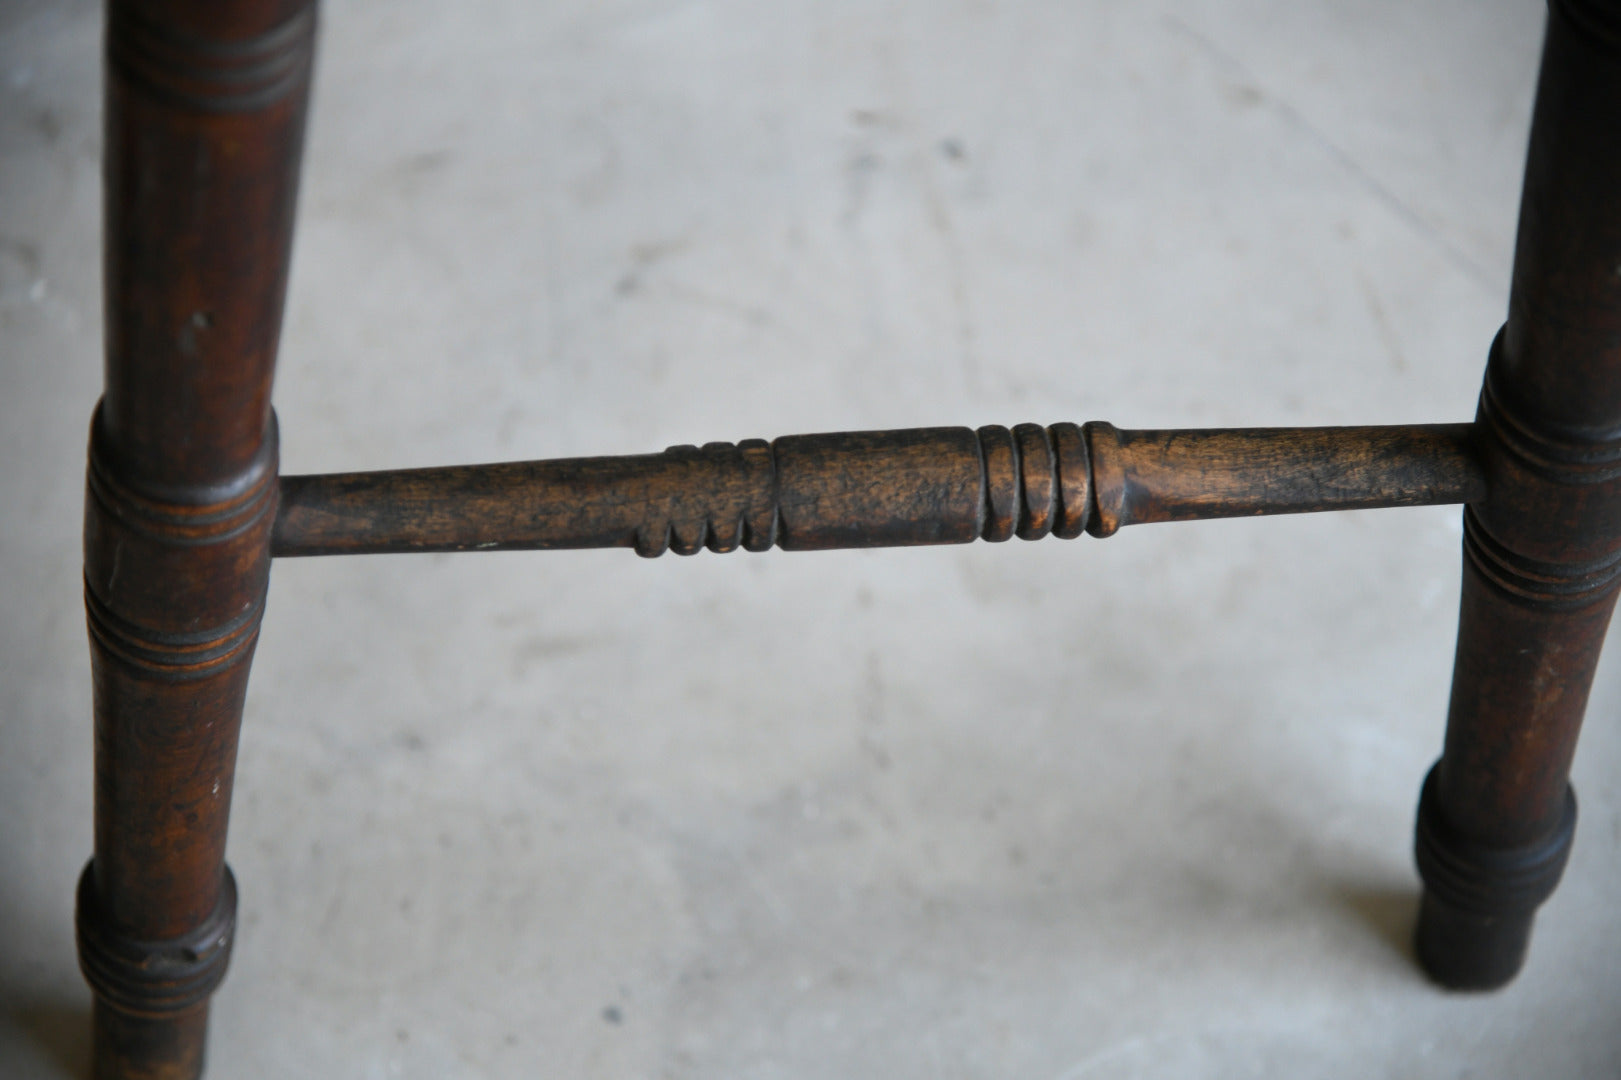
{"x":184,"y":508}
{"x":878,"y":489}
{"x":1542,"y":555}
{"x":205,"y":107}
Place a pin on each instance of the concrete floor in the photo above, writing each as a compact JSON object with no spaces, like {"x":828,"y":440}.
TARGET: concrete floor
{"x":1138,"y":808}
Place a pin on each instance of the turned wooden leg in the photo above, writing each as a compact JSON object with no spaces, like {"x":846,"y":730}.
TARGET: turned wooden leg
{"x":204,"y":123}
{"x":1543,"y":550}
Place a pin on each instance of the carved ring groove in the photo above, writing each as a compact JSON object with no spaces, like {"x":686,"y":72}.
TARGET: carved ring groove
{"x":1488,"y":881}
{"x":153,"y":978}
{"x":1561,"y":585}
{"x":1563,"y":461}
{"x":172,"y":657}
{"x":210,"y":75}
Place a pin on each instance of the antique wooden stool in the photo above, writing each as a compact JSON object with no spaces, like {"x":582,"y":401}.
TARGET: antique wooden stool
{"x":205,"y":111}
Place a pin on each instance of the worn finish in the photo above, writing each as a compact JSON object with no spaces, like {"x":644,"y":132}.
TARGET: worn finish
{"x":184,"y":507}
{"x":878,"y":489}
{"x":204,"y":122}
{"x":1543,"y":554}
{"x":1144,"y":476}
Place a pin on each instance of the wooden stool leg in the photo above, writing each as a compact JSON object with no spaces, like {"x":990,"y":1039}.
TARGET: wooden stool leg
{"x":1543,"y":551}
{"x":204,"y":124}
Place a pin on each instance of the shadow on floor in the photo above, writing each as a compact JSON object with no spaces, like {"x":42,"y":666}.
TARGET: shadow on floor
{"x":61,"y":1030}
{"x":1390,"y":912}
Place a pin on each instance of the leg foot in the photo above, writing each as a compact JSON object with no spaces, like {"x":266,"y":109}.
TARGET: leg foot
{"x":1479,"y":903}
{"x":151,"y":1011}
{"x":132,"y":1047}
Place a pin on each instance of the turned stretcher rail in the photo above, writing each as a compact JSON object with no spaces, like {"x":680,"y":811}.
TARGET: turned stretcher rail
{"x":879,"y":489}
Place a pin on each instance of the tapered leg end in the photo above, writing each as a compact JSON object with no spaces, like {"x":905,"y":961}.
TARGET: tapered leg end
{"x":151,"y":1011}
{"x":1468,"y":950}
{"x":167,"y":1047}
{"x":1480,"y":902}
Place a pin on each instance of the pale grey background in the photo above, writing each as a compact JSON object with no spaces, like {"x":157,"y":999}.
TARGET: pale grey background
{"x":1139,"y":808}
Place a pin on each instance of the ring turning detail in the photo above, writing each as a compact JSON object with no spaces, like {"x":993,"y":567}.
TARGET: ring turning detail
{"x":204,"y":121}
{"x":879,"y":489}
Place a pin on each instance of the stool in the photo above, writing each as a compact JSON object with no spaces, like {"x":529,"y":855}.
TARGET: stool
{"x":185,"y":506}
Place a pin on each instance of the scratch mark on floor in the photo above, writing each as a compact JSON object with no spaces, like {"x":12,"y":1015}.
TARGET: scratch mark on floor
{"x":1369,"y":182}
